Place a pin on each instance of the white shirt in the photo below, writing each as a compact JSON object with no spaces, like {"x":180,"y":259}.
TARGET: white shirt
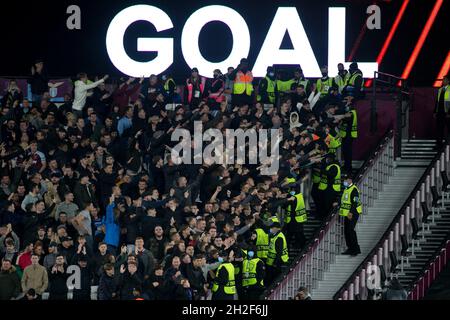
{"x":81,"y":90}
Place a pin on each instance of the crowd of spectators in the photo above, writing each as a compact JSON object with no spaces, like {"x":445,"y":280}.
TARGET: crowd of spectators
{"x":90,"y":182}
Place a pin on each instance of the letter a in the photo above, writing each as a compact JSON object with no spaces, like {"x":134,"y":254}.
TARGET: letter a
{"x":74,"y":20}
{"x":287,"y":20}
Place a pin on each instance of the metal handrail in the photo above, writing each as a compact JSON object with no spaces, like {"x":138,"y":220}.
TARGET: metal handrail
{"x":391,"y":227}
{"x":427,"y":266}
{"x":332,"y":219}
{"x":387,"y":74}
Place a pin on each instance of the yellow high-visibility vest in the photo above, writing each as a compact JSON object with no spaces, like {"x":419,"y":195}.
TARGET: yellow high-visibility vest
{"x":446,"y":98}
{"x":341,"y":81}
{"x":270,"y":90}
{"x":352,"y":79}
{"x":249,"y":272}
{"x":324,"y":86}
{"x":346,"y":202}
{"x":262,"y":243}
{"x":300,"y":211}
{"x":230,"y":287}
{"x":323,"y":185}
{"x":335,"y":143}
{"x":354,"y":131}
{"x":272,"y":254}
{"x":284,"y":86}
{"x":243,"y":83}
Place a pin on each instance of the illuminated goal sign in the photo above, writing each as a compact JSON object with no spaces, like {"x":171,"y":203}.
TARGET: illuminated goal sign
{"x":286,"y":19}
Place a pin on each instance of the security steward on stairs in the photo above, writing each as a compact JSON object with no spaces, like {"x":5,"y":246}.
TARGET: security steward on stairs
{"x":261,"y":240}
{"x":295,"y":217}
{"x":224,"y":286}
{"x":278,"y":255}
{"x":253,"y":273}
{"x":350,"y":209}
{"x":329,"y":186}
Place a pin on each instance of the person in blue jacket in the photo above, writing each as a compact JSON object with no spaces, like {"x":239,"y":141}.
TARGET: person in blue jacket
{"x":112,"y":229}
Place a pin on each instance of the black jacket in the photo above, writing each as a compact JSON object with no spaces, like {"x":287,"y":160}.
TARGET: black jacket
{"x":196,"y":278}
{"x":106,"y":287}
{"x":39,"y":82}
{"x":127,"y":282}
{"x":86,"y":281}
{"x":58,"y":282}
{"x":9,"y":284}
{"x":155,"y":293}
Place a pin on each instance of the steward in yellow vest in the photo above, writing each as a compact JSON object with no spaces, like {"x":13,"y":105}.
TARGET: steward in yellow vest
{"x":278,"y":254}
{"x":294,"y":220}
{"x":267,"y":88}
{"x":261,"y":239}
{"x":349,"y":126}
{"x":224,"y":286}
{"x":169,"y":88}
{"x":349,"y":132}
{"x":342,"y":78}
{"x":329,"y":186}
{"x":243,"y":84}
{"x":299,"y":79}
{"x":324,"y":84}
{"x":331,"y":176}
{"x":355,"y":82}
{"x":253,"y":273}
{"x":350,"y":209}
{"x":442,"y":109}
{"x":334,"y":139}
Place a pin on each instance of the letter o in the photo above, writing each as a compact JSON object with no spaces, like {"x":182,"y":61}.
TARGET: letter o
{"x":191,"y":33}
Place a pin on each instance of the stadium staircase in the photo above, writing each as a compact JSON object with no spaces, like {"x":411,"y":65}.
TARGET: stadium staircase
{"x":313,"y":224}
{"x":415,"y":246}
{"x":407,"y":172}
{"x":385,"y":184}
{"x":427,"y":246}
{"x":440,"y":289}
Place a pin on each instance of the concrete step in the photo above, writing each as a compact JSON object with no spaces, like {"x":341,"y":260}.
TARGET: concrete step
{"x":371,"y":228}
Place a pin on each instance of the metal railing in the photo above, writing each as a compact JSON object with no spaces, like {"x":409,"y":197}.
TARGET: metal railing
{"x":389,"y":248}
{"x":321,"y":251}
{"x":432,"y":271}
{"x":391,"y":84}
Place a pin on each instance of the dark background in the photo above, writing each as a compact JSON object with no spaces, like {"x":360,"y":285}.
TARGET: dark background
{"x":38,"y":29}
